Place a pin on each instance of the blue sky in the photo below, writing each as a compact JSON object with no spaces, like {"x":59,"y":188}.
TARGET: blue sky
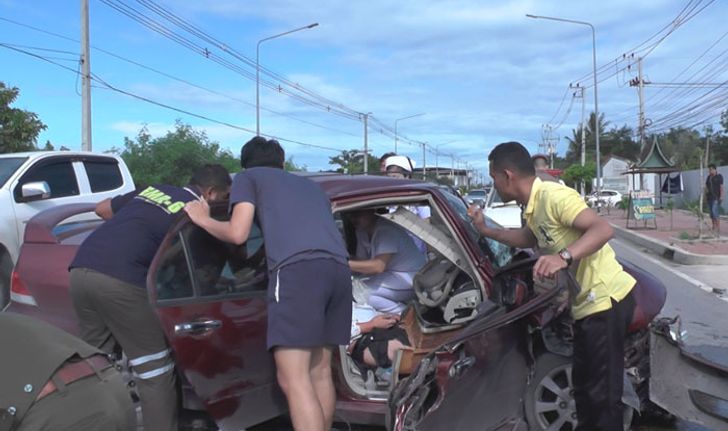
{"x":481,"y":71}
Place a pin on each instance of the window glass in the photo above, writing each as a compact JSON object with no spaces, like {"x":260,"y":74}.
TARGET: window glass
{"x":103,"y":176}
{"x":499,"y":253}
{"x":173,"y":275}
{"x":225,"y":269}
{"x":59,"y":175}
{"x":8,"y":166}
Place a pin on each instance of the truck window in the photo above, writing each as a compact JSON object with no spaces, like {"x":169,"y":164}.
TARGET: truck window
{"x":59,"y":175}
{"x":8,"y":166}
{"x":103,"y":175}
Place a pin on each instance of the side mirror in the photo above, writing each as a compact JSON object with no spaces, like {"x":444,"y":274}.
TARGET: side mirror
{"x":35,"y":191}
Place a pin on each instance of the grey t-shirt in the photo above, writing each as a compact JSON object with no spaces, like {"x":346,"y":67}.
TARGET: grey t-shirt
{"x":294,"y":215}
{"x":389,"y":238}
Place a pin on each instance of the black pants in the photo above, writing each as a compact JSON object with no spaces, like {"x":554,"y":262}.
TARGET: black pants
{"x":599,"y":366}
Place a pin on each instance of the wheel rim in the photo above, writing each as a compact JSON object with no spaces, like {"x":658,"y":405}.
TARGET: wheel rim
{"x":554,"y":397}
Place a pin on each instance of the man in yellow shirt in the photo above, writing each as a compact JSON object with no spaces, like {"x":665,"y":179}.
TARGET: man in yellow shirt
{"x":568,"y":234}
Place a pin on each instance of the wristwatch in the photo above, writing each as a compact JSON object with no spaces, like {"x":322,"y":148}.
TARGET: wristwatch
{"x":564,"y":254}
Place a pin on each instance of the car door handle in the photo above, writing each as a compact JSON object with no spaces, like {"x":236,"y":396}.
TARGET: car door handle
{"x":197,"y":327}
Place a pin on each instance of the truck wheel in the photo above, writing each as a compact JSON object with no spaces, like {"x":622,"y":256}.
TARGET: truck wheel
{"x":6,"y":269}
{"x":549,"y":396}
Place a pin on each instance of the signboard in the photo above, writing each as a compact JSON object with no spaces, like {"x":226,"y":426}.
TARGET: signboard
{"x":642,"y":208}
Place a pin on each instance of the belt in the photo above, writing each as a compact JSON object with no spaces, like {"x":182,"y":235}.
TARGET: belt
{"x":69,"y":372}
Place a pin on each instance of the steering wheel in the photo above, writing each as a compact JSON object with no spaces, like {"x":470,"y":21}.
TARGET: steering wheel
{"x":435,"y":281}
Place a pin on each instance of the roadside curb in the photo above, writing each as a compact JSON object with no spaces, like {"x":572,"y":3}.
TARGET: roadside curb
{"x":668,"y":251}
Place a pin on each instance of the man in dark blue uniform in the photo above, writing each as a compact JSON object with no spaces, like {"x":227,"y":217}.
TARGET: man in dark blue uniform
{"x":309,"y":291}
{"x":108,"y":284}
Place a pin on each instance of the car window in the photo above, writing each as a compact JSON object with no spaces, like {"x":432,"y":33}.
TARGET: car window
{"x":499,"y":253}
{"x":8,"y":166}
{"x":103,"y":175}
{"x":225,"y":269}
{"x":60,"y":177}
{"x":173,"y":276}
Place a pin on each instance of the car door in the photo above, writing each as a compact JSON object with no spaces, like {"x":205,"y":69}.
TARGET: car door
{"x":211,"y":300}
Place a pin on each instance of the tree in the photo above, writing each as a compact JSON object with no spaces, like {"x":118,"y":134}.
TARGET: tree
{"x":615,"y":141}
{"x":19,"y":129}
{"x":171,"y":159}
{"x":575,"y":174}
{"x":352,"y":162}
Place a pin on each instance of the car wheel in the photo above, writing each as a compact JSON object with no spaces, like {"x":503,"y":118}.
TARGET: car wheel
{"x":6,"y":269}
{"x":549,"y":397}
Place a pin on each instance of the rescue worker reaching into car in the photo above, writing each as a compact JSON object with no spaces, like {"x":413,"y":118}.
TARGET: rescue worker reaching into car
{"x":108,"y":284}
{"x":569,"y":235}
{"x":307,"y":270}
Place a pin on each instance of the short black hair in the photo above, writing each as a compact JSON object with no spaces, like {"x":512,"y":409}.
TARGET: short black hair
{"x":712,"y":166}
{"x":211,"y":175}
{"x":385,"y":156}
{"x":512,"y":156}
{"x":261,"y":152}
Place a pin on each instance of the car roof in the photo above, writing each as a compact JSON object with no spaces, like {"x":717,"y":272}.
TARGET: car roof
{"x":339,"y":185}
{"x":41,"y":154}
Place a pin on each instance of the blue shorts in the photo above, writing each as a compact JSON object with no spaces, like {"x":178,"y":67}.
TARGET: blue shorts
{"x":309,"y":304}
{"x":714,"y":207}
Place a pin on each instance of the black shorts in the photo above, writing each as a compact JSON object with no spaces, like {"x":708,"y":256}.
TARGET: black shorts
{"x":309,"y":304}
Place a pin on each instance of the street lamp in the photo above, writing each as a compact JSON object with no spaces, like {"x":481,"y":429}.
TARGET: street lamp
{"x":257,"y":71}
{"x":395,"y":126}
{"x":596,"y":99}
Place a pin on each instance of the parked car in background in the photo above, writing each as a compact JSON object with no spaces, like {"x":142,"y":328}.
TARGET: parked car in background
{"x":477,"y":317}
{"x":477,"y":197}
{"x":34,"y":181}
{"x":506,"y":214}
{"x":604,"y":198}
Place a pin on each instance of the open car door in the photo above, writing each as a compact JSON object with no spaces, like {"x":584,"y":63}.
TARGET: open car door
{"x":211,"y":301}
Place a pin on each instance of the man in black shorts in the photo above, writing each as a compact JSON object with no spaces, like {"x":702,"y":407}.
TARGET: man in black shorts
{"x":309,"y":290}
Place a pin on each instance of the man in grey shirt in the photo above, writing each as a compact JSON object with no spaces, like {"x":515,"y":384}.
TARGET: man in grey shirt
{"x":389,"y":260}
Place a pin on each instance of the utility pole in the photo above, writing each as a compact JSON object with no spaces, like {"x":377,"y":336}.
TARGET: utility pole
{"x":366,"y":144}
{"x":581,"y":94}
{"x":85,"y":81}
{"x":452,"y":169}
{"x":424,"y":161}
{"x":641,"y":89}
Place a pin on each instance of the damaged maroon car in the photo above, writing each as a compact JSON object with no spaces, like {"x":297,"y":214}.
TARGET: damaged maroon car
{"x":488,"y":346}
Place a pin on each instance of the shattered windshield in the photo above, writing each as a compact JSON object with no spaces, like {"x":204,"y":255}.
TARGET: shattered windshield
{"x":501,"y":253}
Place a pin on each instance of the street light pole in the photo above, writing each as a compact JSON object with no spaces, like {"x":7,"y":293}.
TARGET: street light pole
{"x":257,"y":70}
{"x":395,"y":126}
{"x":596,"y":98}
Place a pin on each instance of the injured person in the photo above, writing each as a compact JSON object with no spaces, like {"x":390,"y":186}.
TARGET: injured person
{"x":386,"y":261}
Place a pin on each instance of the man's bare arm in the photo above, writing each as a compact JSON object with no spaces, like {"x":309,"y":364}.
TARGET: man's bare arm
{"x":596,"y":232}
{"x":235,"y":231}
{"x":521,"y":238}
{"x":103,"y":209}
{"x":371,"y":266}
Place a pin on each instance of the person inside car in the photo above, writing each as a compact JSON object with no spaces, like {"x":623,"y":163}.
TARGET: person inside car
{"x":387,"y":259}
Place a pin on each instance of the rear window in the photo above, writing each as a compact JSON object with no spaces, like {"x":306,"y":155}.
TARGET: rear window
{"x":8,"y":166}
{"x":103,"y":175}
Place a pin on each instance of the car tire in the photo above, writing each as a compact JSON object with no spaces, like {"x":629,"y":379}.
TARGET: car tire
{"x":545,"y":408}
{"x":6,"y":269}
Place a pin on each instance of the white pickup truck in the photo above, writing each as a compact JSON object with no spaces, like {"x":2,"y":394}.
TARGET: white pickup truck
{"x":32,"y":182}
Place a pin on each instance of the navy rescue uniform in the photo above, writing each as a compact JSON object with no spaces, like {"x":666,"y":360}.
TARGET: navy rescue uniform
{"x":108,"y":288}
{"x":51,"y":380}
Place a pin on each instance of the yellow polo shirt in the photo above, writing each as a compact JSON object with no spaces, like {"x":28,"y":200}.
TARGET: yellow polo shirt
{"x":550,"y":213}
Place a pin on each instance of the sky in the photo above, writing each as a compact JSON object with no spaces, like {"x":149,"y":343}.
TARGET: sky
{"x":480,"y":71}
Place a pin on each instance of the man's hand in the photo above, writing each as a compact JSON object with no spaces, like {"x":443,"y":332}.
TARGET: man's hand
{"x":547,"y":266}
{"x":198,"y":210}
{"x":384,"y":321}
{"x":475,"y":212}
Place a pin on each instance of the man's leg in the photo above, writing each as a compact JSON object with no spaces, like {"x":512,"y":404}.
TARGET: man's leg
{"x":84,"y":289}
{"x":599,"y":366}
{"x":323,"y":383}
{"x":293,"y":366}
